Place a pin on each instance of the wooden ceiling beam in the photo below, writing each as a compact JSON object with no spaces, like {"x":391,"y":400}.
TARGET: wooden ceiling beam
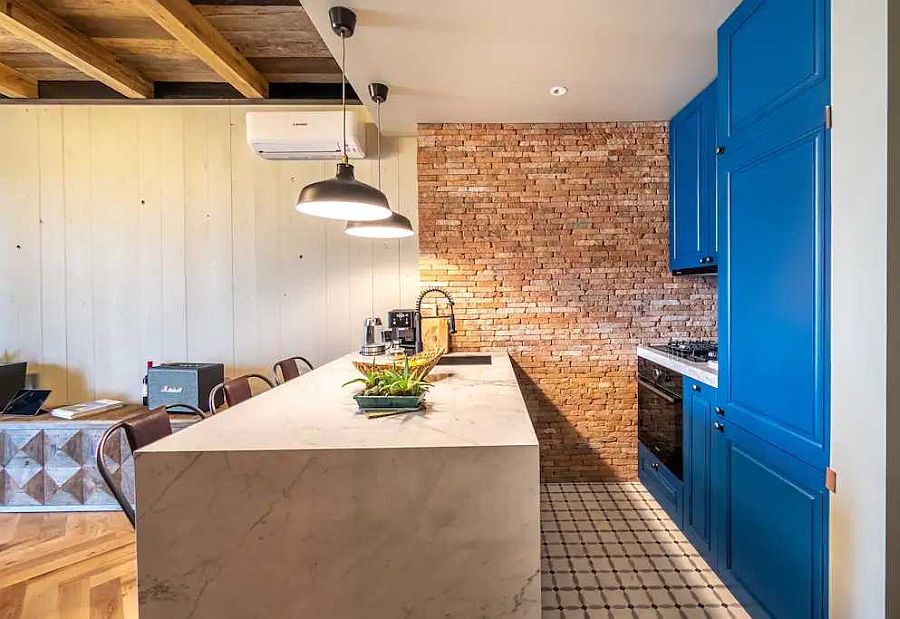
{"x":14,"y":83}
{"x":180,"y":19}
{"x":38,"y":26}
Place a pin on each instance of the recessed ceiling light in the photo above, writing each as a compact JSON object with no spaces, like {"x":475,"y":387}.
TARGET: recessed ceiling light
{"x":558,"y":91}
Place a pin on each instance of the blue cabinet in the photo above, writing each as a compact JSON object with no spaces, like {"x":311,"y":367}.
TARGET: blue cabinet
{"x":770,"y":448}
{"x":665,"y":487}
{"x":693,"y":236}
{"x":699,"y":417}
{"x":774,"y":227}
{"x":770,"y":522}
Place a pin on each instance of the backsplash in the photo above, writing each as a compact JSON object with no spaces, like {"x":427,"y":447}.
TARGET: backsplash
{"x":553,"y":240}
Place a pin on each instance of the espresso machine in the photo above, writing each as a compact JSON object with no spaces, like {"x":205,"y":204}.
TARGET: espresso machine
{"x":403,"y":327}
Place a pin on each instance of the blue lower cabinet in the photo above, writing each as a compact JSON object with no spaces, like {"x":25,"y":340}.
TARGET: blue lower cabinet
{"x":665,"y":487}
{"x":699,"y":417}
{"x":769,"y":518}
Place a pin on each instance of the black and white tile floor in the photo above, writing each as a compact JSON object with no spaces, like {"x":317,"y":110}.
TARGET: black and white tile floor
{"x":609,"y":550}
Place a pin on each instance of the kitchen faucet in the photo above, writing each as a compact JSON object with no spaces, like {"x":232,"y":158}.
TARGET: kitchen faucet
{"x":418,"y":314}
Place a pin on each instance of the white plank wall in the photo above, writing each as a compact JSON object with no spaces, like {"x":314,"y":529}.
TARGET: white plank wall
{"x":130,"y":234}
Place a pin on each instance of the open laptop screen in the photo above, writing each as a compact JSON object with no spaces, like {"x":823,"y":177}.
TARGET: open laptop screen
{"x":27,"y":402}
{"x":12,"y":379}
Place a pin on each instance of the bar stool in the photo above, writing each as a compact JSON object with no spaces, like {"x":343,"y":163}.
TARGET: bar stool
{"x":290,"y":369}
{"x":140,"y":430}
{"x":236,"y":390}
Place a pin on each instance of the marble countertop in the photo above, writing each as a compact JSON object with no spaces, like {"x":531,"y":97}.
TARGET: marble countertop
{"x":703,"y":372}
{"x":469,"y":406}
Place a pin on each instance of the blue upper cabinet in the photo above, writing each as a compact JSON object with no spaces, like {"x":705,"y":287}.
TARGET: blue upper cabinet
{"x":774,"y":226}
{"x":692,"y":196}
{"x":773,"y":69}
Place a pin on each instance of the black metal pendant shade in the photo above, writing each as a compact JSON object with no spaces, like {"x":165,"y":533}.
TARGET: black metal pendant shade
{"x":394,"y":227}
{"x":343,"y":197}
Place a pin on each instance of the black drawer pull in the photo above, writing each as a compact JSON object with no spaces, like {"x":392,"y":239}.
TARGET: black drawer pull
{"x":655,"y":466}
{"x":720,"y":411}
{"x":695,"y":387}
{"x":718,"y":425}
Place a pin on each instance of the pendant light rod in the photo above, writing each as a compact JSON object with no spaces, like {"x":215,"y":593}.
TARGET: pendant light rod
{"x":344,"y":99}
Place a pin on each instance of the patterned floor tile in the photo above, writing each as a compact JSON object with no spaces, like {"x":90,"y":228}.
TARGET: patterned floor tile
{"x":609,"y":550}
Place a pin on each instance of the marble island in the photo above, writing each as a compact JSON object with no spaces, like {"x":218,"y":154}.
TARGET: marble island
{"x":294,"y":505}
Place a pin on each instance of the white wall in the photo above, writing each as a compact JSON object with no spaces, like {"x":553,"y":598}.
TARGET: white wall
{"x":859,"y":324}
{"x":153,"y":233}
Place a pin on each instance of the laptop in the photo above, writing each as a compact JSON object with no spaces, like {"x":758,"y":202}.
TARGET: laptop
{"x":26,"y":403}
{"x":12,"y":380}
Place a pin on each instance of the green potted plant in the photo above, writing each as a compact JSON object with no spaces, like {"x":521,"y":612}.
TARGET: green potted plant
{"x":390,"y":388}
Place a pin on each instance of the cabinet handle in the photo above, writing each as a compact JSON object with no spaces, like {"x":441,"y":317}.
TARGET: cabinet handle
{"x":655,"y":466}
{"x":718,"y":425}
{"x":720,"y":411}
{"x":695,"y":387}
{"x":720,"y":150}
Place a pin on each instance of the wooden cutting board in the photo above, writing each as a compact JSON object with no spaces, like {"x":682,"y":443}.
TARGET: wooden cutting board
{"x":436,"y":333}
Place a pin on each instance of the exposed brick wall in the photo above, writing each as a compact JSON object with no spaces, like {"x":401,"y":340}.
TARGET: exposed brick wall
{"x":553,"y":240}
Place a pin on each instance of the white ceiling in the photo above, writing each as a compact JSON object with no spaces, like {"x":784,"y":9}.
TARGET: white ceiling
{"x":495,"y":60}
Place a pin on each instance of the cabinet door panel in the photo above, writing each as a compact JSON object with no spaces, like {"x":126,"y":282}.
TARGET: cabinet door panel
{"x":698,"y":419}
{"x":686,"y":173}
{"x":770,"y":53}
{"x":771,"y":523}
{"x":772,"y":298}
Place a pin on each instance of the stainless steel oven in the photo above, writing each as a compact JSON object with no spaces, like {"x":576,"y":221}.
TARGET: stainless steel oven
{"x":660,"y":415}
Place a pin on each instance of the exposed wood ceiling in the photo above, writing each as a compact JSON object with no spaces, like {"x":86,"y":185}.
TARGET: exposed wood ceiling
{"x":220,"y":49}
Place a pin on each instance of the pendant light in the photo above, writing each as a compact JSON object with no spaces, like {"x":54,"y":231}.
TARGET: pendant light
{"x":343,"y":197}
{"x":396,"y":226}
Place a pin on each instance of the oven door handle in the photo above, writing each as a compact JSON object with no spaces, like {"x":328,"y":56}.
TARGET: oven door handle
{"x":665,"y":396}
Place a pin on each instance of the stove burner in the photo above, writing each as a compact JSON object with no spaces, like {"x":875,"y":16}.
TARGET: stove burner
{"x":697,"y":351}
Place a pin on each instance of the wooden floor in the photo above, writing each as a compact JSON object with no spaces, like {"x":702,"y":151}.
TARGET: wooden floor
{"x":67,"y":565}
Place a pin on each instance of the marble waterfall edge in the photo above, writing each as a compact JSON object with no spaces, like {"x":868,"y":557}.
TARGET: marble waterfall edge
{"x":347,"y":525}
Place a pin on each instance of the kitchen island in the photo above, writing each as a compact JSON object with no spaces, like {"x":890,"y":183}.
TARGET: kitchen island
{"x":292,"y":504}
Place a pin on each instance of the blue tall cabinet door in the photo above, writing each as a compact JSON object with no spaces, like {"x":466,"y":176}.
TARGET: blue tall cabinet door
{"x":770,"y":524}
{"x":692,"y":210}
{"x":773,"y":201}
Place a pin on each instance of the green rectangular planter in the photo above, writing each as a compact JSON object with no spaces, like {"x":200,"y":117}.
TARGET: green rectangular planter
{"x":388,"y":401}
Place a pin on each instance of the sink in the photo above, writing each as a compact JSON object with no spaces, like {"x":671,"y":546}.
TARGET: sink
{"x":466,"y":360}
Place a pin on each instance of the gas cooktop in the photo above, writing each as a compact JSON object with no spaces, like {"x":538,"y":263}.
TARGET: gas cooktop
{"x":696,"y":351}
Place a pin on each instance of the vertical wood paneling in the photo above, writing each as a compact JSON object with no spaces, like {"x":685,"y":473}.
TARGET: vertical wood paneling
{"x":173,"y":239}
{"x":158,"y":234}
{"x":52,"y":265}
{"x":150,"y":231}
{"x":115,"y":217}
{"x":20,"y":237}
{"x":77,"y":156}
{"x":302,"y":264}
{"x":209,"y":255}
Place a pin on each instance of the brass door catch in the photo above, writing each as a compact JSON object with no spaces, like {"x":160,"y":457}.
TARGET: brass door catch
{"x":831,"y":479}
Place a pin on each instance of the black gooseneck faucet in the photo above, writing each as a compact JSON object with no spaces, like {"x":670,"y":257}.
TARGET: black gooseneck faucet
{"x":418,"y":314}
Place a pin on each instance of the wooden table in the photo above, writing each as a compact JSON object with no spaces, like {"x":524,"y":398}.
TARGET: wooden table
{"x":49,"y":464}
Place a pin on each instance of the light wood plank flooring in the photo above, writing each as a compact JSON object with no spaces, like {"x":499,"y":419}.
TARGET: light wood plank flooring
{"x":67,"y":565}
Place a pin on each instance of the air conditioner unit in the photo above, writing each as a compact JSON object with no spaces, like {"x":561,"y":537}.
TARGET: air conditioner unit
{"x":304,"y":135}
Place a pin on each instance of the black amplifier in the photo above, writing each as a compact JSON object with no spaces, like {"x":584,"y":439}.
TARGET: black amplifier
{"x":183,"y":383}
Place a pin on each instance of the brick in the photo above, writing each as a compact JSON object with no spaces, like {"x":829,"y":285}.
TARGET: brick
{"x":553,"y":240}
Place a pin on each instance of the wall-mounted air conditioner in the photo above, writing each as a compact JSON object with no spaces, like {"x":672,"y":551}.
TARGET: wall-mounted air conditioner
{"x":304,"y":135}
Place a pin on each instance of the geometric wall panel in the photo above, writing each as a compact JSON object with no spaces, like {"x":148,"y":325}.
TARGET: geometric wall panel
{"x":48,"y":464}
